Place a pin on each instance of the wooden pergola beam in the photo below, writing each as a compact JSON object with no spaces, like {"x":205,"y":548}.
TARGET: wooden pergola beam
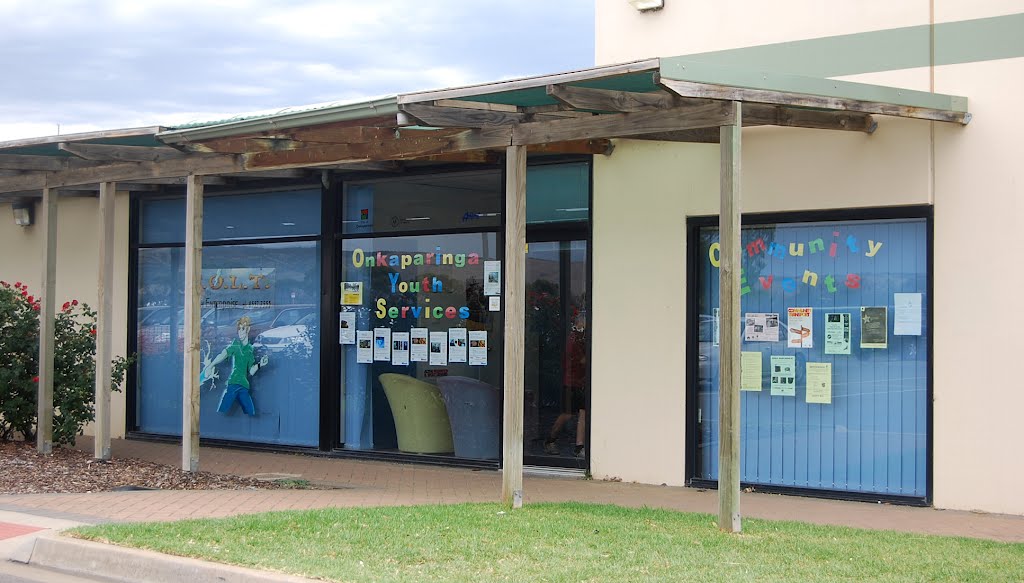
{"x":697,"y":136}
{"x":515,"y":326}
{"x":243,"y":145}
{"x":104,"y":321}
{"x":450,"y":117}
{"x":405,"y":144}
{"x":729,"y":314}
{"x":754,"y":114}
{"x":482,"y":105}
{"x":701,"y":115}
{"x":124,"y":172}
{"x":723,"y":92}
{"x":608,"y":100}
{"x":111,"y":153}
{"x":33,"y":163}
{"x":47,"y":323}
{"x":193,"y":297}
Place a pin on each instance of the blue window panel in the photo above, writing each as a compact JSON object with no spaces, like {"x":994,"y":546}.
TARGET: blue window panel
{"x":872,"y":438}
{"x":246,"y":216}
{"x":285,"y":318}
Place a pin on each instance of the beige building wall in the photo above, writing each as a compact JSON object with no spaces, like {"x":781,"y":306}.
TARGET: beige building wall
{"x":979,"y":218}
{"x":21,"y":259}
{"x":970,"y":174}
{"x":685,"y":27}
{"x":643,"y":194}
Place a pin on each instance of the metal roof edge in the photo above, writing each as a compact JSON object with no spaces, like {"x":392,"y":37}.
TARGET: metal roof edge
{"x":330,"y":114}
{"x":682,"y":69}
{"x":531,"y":82}
{"x":83,"y":136}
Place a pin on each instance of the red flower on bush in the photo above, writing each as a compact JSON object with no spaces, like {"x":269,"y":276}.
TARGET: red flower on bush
{"x":74,"y":335}
{"x":5,"y":284}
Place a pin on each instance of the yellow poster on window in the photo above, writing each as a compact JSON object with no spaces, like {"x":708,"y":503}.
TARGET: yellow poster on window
{"x":750,"y":375}
{"x":351,"y":293}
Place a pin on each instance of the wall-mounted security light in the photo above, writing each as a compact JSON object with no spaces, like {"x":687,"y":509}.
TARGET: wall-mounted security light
{"x":647,"y":5}
{"x":24,"y":211}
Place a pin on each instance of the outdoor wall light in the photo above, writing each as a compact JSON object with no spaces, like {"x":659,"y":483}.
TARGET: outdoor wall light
{"x":647,"y":5}
{"x":23,"y":212}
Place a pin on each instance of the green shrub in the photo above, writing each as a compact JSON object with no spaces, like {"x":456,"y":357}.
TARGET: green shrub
{"x":74,"y":370}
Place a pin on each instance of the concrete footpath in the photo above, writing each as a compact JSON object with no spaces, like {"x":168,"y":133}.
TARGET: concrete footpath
{"x":28,"y":523}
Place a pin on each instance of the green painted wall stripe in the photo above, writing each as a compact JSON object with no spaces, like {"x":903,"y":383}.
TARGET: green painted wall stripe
{"x":681,"y":69}
{"x":967,"y":41}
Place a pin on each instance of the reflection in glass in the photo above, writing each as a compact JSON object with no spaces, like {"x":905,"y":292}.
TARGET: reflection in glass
{"x":414,"y":290}
{"x":260,"y":332}
{"x":872,"y":436}
{"x":557,"y":383}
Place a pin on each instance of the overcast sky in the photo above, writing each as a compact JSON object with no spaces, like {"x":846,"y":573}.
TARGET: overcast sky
{"x":103,"y":64}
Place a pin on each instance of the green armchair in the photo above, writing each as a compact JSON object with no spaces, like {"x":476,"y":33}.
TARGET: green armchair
{"x":421,"y":419}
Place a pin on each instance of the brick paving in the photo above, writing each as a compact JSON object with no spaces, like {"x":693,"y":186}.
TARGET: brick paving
{"x":371,"y":483}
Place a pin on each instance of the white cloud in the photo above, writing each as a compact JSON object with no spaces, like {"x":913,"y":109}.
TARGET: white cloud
{"x":120,"y":63}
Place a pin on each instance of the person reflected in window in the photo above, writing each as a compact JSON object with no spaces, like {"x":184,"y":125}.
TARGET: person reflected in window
{"x":243,"y":366}
{"x":574,"y":387}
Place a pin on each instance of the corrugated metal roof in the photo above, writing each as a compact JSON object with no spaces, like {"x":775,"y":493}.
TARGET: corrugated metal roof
{"x":270,"y":113}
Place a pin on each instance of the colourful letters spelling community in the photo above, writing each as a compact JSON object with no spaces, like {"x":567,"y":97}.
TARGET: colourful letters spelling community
{"x":815,"y":246}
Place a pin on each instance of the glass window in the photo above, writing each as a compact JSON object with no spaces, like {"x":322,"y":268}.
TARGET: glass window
{"x":557,"y":193}
{"x":260,"y":342}
{"x":247,"y":216}
{"x":422,"y":373}
{"x":835,"y":313}
{"x":470,"y":200}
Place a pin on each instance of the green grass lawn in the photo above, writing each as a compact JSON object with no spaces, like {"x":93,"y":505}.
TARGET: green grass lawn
{"x":562,"y":542}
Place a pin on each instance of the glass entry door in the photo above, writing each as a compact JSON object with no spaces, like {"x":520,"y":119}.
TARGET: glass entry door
{"x":557,"y":385}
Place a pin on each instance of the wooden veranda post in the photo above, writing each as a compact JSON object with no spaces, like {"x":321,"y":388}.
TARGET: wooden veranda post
{"x":729,"y":310}
{"x":104,"y":321}
{"x":47,"y":323}
{"x":515,"y":325}
{"x":193,"y":293}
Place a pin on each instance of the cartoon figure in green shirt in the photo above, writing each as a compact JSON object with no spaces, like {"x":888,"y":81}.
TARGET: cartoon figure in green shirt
{"x":243,"y":366}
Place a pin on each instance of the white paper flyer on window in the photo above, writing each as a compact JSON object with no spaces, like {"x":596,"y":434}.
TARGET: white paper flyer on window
{"x":438,"y":348}
{"x":838,"y":339}
{"x":457,"y":345}
{"x":819,"y":382}
{"x":716,"y":331}
{"x":478,"y":347}
{"x":364,"y":347}
{"x":418,"y":345}
{"x":800,"y":327}
{"x":492,"y":278}
{"x":382,"y":344}
{"x":761,"y":327}
{"x":783,"y":376}
{"x":906,"y":320}
{"x":400,"y":348}
{"x":347,"y":328}
{"x":494,"y":304}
